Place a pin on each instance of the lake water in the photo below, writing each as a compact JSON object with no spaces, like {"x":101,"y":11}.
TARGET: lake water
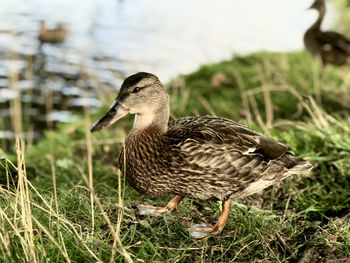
{"x":110,"y":39}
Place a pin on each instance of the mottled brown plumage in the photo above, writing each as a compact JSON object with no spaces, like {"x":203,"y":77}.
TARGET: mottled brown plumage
{"x":202,"y":157}
{"x":331,"y":47}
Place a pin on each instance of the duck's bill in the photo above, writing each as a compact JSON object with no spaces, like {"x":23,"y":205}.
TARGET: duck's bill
{"x":116,"y":112}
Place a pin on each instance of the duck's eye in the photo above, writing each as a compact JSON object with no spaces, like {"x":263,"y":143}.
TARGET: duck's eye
{"x":135,"y":90}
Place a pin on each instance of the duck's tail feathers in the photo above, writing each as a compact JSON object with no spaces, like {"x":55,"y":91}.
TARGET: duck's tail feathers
{"x":296,"y":165}
{"x":292,"y":165}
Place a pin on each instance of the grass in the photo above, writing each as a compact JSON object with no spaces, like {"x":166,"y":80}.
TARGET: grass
{"x":64,"y":200}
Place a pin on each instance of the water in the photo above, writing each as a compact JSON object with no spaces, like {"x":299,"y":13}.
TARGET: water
{"x":110,"y":39}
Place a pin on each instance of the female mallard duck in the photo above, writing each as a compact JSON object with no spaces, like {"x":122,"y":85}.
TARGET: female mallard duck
{"x":201,"y":157}
{"x":331,"y":47}
{"x":55,"y":35}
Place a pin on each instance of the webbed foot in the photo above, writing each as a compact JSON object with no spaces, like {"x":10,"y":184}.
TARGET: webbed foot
{"x":157,"y":211}
{"x":200,"y":231}
{"x":151,"y":210}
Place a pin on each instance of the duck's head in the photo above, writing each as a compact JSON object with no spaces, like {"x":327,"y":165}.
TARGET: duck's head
{"x":317,"y":4}
{"x":141,"y":94}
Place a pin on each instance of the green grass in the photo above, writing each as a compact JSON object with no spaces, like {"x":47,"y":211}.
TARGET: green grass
{"x":56,"y":215}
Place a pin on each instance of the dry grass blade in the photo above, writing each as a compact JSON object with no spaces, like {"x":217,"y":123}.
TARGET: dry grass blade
{"x":120,"y":214}
{"x":16,"y":231}
{"x":52,"y":239}
{"x":105,"y":216}
{"x":5,"y":242}
{"x":15,"y":104}
{"x":316,"y":113}
{"x":53,"y":172}
{"x":206,"y":105}
{"x":268,"y":107}
{"x":257,"y":114}
{"x":240,"y":250}
{"x":89,"y":156}
{"x":20,"y":206}
{"x":268,"y":246}
{"x":48,"y":107}
{"x":266,"y":94}
{"x":68,"y":226}
{"x":24,"y":199}
{"x":17,"y":226}
{"x":242,"y":87}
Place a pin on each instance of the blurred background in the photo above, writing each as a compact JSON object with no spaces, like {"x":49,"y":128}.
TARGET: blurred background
{"x":105,"y":41}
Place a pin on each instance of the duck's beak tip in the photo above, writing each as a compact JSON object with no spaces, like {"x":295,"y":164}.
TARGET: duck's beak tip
{"x":93,"y":127}
{"x":115,"y":113}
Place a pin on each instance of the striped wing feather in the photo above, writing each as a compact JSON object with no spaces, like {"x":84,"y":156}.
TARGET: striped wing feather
{"x":212,"y":130}
{"x":220,"y":157}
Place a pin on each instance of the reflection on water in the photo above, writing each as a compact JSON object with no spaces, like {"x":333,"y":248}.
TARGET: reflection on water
{"x":110,"y":39}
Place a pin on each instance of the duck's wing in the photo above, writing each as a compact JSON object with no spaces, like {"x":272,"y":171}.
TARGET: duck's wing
{"x":218,"y":158}
{"x":334,"y":40}
{"x":208,"y":131}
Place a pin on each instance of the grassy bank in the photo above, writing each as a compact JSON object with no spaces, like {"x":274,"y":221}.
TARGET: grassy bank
{"x":64,"y":200}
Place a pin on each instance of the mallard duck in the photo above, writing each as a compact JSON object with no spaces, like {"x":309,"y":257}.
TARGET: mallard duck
{"x":55,"y":35}
{"x":331,"y":47}
{"x":201,"y":157}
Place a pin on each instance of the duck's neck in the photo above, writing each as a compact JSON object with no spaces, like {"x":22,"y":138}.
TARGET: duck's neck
{"x":157,"y":119}
{"x":321,"y":14}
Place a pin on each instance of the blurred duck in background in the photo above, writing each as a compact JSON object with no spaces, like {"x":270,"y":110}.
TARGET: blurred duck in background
{"x":54,"y":35}
{"x":331,"y":47}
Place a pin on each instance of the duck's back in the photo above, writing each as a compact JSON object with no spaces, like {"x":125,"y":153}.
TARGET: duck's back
{"x":332,"y":47}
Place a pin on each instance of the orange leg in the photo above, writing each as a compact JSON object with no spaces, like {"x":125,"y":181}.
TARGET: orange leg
{"x":174,"y":203}
{"x":223,"y":217}
{"x":155,"y":210}
{"x":203,"y":231}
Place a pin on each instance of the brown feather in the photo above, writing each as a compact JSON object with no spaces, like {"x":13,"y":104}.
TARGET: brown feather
{"x":203,"y":157}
